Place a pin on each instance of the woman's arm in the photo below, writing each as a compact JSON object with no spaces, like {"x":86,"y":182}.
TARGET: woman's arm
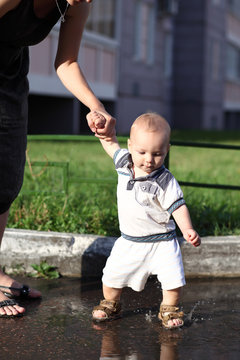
{"x":68,"y":68}
{"x":7,"y":5}
{"x":66,"y":63}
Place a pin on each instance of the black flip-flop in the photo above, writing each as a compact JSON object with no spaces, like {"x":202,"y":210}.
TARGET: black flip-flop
{"x":23,"y":291}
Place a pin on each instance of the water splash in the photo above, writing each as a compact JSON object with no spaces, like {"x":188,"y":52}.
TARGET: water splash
{"x":148,"y":316}
{"x":190,"y":314}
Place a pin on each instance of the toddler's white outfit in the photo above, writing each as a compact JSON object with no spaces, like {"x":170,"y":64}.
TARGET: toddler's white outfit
{"x":148,"y":243}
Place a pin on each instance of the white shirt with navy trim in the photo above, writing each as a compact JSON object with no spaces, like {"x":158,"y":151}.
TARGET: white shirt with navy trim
{"x":145,"y":204}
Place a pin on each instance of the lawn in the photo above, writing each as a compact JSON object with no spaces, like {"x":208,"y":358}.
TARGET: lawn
{"x":90,"y":206}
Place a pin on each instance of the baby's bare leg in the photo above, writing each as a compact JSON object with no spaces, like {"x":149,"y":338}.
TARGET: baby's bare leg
{"x":111,"y":293}
{"x":171,"y":297}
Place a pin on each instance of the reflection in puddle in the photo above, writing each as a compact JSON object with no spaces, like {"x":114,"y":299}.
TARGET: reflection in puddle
{"x":163,"y":343}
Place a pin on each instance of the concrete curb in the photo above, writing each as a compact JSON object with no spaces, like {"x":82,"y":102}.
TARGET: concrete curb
{"x":85,"y":255}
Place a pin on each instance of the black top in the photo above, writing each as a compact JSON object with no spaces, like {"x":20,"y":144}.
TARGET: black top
{"x":20,"y":28}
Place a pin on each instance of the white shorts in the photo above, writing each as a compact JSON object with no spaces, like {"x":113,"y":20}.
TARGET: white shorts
{"x":131,"y":263}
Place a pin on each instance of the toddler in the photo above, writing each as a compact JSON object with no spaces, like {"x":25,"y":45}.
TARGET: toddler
{"x":148,"y":197}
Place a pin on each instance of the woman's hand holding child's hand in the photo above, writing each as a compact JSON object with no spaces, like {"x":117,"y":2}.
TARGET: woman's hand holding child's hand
{"x":101,"y":123}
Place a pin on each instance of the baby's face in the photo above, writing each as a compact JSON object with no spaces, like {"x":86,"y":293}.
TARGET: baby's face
{"x":148,"y":150}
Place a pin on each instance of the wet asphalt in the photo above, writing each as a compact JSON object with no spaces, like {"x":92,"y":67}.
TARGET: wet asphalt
{"x":59,"y":326}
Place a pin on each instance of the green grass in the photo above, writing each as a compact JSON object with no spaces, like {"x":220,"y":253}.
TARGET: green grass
{"x":90,"y":206}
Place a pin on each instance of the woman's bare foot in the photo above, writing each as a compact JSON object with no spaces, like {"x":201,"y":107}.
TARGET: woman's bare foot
{"x":7,"y":281}
{"x":13,"y":310}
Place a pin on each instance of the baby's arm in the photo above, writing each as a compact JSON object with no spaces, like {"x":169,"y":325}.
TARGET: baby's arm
{"x":183,"y":220}
{"x":110,"y":144}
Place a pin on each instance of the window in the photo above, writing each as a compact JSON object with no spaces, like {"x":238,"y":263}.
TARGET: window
{"x":217,"y":2}
{"x":234,"y":6}
{"x":215,"y":59}
{"x":144,"y":32}
{"x":168,"y":55}
{"x":169,"y":7}
{"x":102,"y":18}
{"x":233,"y":63}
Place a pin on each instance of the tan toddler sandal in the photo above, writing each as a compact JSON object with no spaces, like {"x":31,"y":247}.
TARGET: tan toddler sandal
{"x":111,"y":309}
{"x":170,"y":312}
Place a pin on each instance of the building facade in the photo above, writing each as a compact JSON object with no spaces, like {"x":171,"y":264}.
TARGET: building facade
{"x":199,"y":65}
{"x":232,"y":79}
{"x":180,"y":58}
{"x":126,"y":56}
{"x":206,"y":63}
{"x":145,"y":61}
{"x":52,"y":109}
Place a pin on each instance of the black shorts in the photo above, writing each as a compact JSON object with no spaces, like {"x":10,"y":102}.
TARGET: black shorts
{"x":13,"y":141}
{"x":12,"y":162}
{"x":14,"y":65}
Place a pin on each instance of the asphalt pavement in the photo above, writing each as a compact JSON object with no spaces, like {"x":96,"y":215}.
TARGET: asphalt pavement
{"x":59,"y":326}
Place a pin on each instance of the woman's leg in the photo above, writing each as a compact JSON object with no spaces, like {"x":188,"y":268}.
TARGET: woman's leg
{"x":6,"y":280}
{"x":14,"y":91}
{"x":6,"y":310}
{"x":3,"y":223}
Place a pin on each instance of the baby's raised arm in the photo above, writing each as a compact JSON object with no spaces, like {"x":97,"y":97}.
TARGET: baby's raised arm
{"x":110,"y":144}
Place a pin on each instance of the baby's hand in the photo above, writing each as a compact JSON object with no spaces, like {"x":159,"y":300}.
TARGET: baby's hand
{"x":192,"y":237}
{"x":97,"y":120}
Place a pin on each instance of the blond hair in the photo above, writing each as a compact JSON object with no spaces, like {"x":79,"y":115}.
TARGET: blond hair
{"x":151,"y":122}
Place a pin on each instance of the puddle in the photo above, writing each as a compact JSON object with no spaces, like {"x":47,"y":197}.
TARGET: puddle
{"x":60,"y":327}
